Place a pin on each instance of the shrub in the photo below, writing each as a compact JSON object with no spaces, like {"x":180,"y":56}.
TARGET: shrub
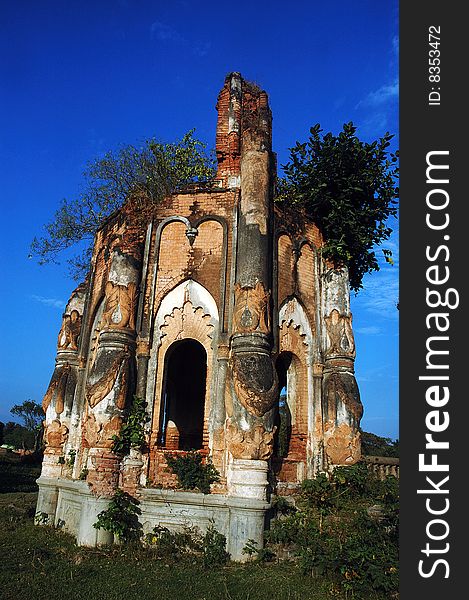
{"x":177,"y":544}
{"x":191,"y":472}
{"x":289,"y":530}
{"x":349,"y":189}
{"x":214,"y":548}
{"x":282,"y":506}
{"x":333,"y":535}
{"x":258,"y":554}
{"x":318,"y":493}
{"x":121,"y":517}
{"x":174,"y":544}
{"x":355,"y":480}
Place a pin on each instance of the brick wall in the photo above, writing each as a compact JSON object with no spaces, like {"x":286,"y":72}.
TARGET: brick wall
{"x":286,"y":286}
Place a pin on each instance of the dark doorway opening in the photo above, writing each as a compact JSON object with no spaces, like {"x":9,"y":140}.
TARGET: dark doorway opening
{"x":284,"y":417}
{"x":183,"y":403}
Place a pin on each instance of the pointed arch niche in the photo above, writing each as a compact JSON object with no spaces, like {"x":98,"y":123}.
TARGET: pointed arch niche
{"x":181,"y":371}
{"x":293,"y":367}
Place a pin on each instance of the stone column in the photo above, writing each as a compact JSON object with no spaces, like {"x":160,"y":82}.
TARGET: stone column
{"x":59,"y":398}
{"x":253,"y":382}
{"x":342,"y":407}
{"x":143,"y":357}
{"x":217,"y":412}
{"x":131,"y":471}
{"x":107,"y":395}
{"x":315,"y":463}
{"x":111,"y":377}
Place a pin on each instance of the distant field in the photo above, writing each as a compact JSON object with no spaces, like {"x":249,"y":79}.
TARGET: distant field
{"x":17,"y":475}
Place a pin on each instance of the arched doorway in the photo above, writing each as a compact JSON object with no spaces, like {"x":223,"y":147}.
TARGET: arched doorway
{"x":283,"y":423}
{"x":183,"y":396}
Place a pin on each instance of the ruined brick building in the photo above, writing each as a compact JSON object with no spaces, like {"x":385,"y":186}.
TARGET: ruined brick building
{"x":208,"y":312}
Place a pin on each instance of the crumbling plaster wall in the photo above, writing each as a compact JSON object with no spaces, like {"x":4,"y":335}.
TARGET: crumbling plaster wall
{"x":222,"y":265}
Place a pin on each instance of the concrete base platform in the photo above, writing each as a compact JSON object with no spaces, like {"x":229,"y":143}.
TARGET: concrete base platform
{"x":70,"y":504}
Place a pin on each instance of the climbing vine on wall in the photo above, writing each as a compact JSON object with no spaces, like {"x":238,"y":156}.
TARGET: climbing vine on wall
{"x":132,"y":433}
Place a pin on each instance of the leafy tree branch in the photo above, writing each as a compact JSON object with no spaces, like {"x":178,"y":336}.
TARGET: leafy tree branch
{"x":349,"y":189}
{"x":145,"y":174}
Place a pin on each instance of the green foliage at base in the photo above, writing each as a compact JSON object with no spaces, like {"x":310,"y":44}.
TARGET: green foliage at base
{"x":121,"y":517}
{"x":191,"y":471}
{"x":333,"y":533}
{"x":44,"y":563}
{"x":211,"y":547}
{"x":173,"y":544}
{"x":258,"y":554}
{"x":214,"y":548}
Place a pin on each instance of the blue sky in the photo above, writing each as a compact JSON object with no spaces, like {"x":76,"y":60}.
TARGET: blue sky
{"x":79,"y":78}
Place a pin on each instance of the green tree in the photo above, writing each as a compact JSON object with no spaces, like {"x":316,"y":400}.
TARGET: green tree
{"x":18,"y":436}
{"x":375,"y":445}
{"x":145,"y":175}
{"x":31,"y":414}
{"x":349,"y":189}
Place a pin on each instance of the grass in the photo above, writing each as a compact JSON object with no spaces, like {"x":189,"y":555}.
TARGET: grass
{"x":44,"y":563}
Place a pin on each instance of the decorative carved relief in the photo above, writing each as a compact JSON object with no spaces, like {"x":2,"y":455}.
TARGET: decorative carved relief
{"x":119,"y":310}
{"x":292,"y":339}
{"x":143,"y":347}
{"x":91,"y":431}
{"x":98,"y":435}
{"x":342,"y":444}
{"x":253,"y":444}
{"x":56,"y":435}
{"x":109,"y":429}
{"x":70,"y":331}
{"x":61,"y":389}
{"x":255,"y":381}
{"x":251,"y":309}
{"x":58,"y":385}
{"x":339,"y":334}
{"x":218,"y":441}
{"x":342,"y":387}
{"x":187,"y":322}
{"x":99,"y":390}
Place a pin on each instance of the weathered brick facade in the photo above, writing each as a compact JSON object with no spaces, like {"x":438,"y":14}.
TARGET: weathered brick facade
{"x":207,"y":311}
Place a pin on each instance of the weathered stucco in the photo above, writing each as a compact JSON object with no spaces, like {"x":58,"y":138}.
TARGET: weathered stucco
{"x":217,"y":275}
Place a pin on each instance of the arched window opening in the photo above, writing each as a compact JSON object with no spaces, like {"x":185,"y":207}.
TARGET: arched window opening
{"x":285,"y":367}
{"x":183,"y":398}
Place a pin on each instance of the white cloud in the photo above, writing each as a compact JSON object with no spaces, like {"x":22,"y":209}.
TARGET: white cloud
{"x":202,"y":48}
{"x":380,"y":293}
{"x":370,"y":330}
{"x":164,"y":33}
{"x":52,"y":302}
{"x":383,"y":95}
